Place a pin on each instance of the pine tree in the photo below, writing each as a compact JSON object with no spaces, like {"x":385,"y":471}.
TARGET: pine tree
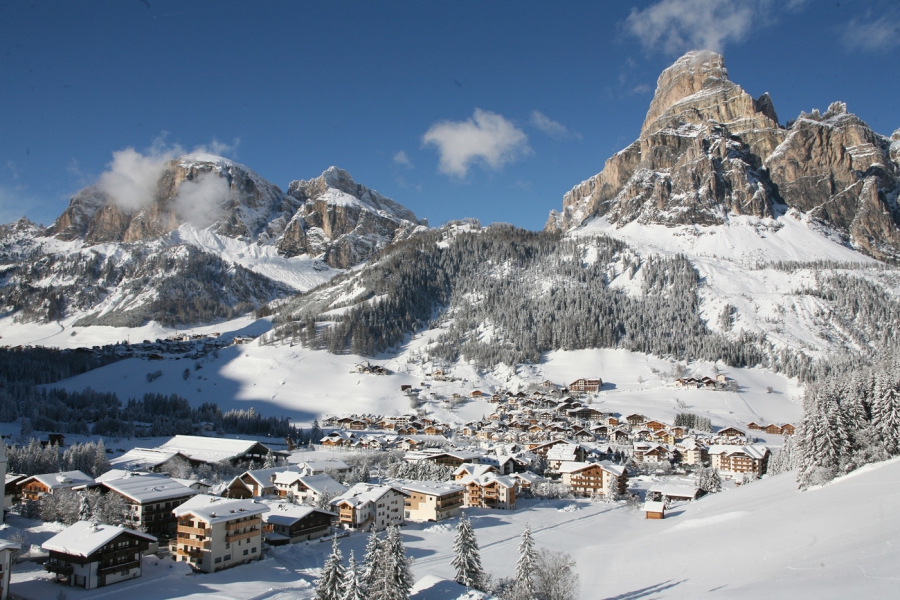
{"x":353,"y":584}
{"x":467,"y":558}
{"x":372,"y":563}
{"x":396,"y":580}
{"x":525,"y":566}
{"x":329,"y":585}
{"x":886,"y":420}
{"x":270,"y":461}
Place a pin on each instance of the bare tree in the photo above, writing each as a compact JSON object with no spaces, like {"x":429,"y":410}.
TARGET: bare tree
{"x":555,"y":577}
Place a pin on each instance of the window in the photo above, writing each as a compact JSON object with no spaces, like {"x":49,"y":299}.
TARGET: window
{"x":227,"y":545}
{"x":253,"y":550}
{"x":227,"y":557}
{"x":246,"y":552}
{"x":218,"y":559}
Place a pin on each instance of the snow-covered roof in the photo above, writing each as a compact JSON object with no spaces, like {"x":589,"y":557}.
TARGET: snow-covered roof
{"x":8,"y":545}
{"x":288,"y":514}
{"x":148,"y":488}
{"x":654,"y":506}
{"x":758,"y":452}
{"x":63,"y":479}
{"x":117,"y":474}
{"x":488,"y":479}
{"x":144,"y":458}
{"x":527,"y":476}
{"x":363,"y":493}
{"x":317,"y":483}
{"x":474,"y":469}
{"x":214,"y":509}
{"x":84,"y":538}
{"x":319,"y":464}
{"x":676,"y":490}
{"x":433,"y":488}
{"x":210,"y":449}
{"x":265,"y":477}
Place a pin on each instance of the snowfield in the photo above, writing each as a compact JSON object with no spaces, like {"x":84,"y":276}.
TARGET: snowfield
{"x":762,"y":540}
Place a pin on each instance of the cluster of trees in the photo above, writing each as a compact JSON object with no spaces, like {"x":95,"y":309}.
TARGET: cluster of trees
{"x":423,"y":470}
{"x":535,"y":290}
{"x":384,"y":574}
{"x":850,"y":419}
{"x":67,"y":507}
{"x":692,"y":421}
{"x":34,"y":459}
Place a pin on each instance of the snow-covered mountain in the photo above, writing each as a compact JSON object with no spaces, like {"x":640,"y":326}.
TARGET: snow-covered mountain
{"x":194,"y":239}
{"x":709,"y":152}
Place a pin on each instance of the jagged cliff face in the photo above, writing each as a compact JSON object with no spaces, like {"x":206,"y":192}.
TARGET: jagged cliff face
{"x":342,"y":221}
{"x":330,"y":217}
{"x":212,"y":191}
{"x":708,"y":150}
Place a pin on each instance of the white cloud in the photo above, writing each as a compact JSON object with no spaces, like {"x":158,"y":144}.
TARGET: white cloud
{"x":872,"y":34}
{"x":402,"y":159}
{"x":132,"y":177}
{"x":487,"y":138}
{"x":552,"y":128}
{"x":201,"y":201}
{"x":679,"y":25}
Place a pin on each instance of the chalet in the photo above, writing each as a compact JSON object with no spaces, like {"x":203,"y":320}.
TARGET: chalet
{"x":654,"y":510}
{"x":755,"y":426}
{"x":636,"y":420}
{"x":691,"y":452}
{"x":526,"y":479}
{"x":587,"y":479}
{"x":731,"y":432}
{"x":369,"y":507}
{"x":472,"y":470}
{"x":775,"y":429}
{"x":619,"y":436}
{"x":649,"y":453}
{"x":454,"y":458}
{"x":318,"y":466}
{"x":682,"y":491}
{"x":432,"y":501}
{"x":476,"y":394}
{"x":201,"y":450}
{"x":489,"y":491}
{"x":151,"y":498}
{"x":32,"y":488}
{"x":306,"y":486}
{"x":611,"y":421}
{"x":787,"y":429}
{"x":290,"y":523}
{"x":564,"y":453}
{"x":7,"y":548}
{"x":740,"y":459}
{"x":89,"y":555}
{"x":12,"y":490}
{"x":337,"y":439}
{"x":655,"y":425}
{"x":256,"y":483}
{"x":586,"y":385}
{"x":217,"y":533}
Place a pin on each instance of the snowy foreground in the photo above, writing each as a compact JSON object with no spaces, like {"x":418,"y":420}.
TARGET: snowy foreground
{"x":762,"y":540}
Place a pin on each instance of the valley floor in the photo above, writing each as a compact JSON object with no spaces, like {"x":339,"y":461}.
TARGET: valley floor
{"x":762,"y":540}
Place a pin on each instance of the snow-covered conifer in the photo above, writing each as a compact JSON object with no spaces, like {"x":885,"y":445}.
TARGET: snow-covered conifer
{"x":353,"y":584}
{"x":329,"y":586}
{"x":467,"y":557}
{"x":525,"y":566}
{"x":396,"y":579}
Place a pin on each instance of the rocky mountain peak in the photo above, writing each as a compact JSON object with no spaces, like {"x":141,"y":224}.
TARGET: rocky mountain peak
{"x":342,"y":221}
{"x":696,"y":89}
{"x":708,"y":150}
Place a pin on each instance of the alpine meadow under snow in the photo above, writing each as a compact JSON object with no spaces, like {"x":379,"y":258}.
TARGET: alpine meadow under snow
{"x":727,"y":284}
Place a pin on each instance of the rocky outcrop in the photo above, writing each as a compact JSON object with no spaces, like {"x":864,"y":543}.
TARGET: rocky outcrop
{"x":203,"y":191}
{"x":343,"y":221}
{"x":708,"y":150}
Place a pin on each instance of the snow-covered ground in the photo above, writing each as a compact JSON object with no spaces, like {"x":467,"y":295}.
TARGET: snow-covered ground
{"x":305,"y":384}
{"x":762,"y":540}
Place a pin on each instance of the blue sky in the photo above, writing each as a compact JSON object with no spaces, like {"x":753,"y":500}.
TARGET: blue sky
{"x":455,"y":109}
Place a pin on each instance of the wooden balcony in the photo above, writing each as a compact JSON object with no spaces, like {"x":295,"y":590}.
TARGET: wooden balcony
{"x":200,"y":544}
{"x":242,"y":536}
{"x":134,"y":564}
{"x":188,"y":553}
{"x":241,"y":524}
{"x":194,"y":530}
{"x":58,"y":568}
